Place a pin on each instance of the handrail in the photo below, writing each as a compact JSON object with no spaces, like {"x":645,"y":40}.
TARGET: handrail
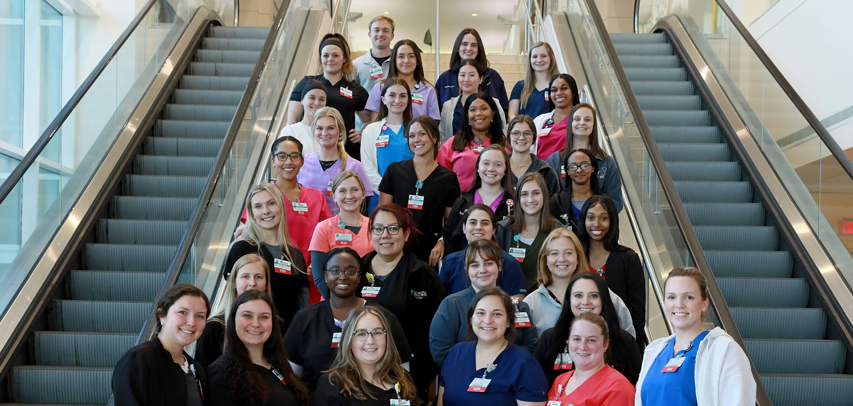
{"x":66,"y":111}
{"x":637,"y":17}
{"x":676,"y":205}
{"x":195,"y":221}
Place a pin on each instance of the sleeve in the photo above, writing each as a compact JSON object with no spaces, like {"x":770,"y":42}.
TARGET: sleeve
{"x":553,"y":182}
{"x":130,"y":380}
{"x":235,"y":252}
{"x":513,"y":281}
{"x":498,"y":90}
{"x":445,"y":126}
{"x":317,"y":257}
{"x":432,"y":105}
{"x":374,"y":99}
{"x":368,"y":156}
{"x":320,"y":239}
{"x":217,"y":394}
{"x":325,"y":213}
{"x":516,"y":90}
{"x":503,"y":114}
{"x":400,"y":339}
{"x":635,"y":281}
{"x":359,"y":169}
{"x":625,"y":320}
{"x":448,"y":267}
{"x":293,"y":339}
{"x":442,"y":332}
{"x":554,"y":162}
{"x":531,"y":383}
{"x":453,"y":191}
{"x":735,"y":383}
{"x":451,"y":224}
{"x":209,"y":345}
{"x":298,"y":260}
{"x":527,"y":337}
{"x":612,"y":185}
{"x":442,"y":89}
{"x":634,"y":361}
{"x":243,"y":216}
{"x":296,"y":94}
{"x":359,"y":96}
{"x":444,"y":152}
{"x":541,"y":350}
{"x":388,"y":181}
{"x":327,"y":394}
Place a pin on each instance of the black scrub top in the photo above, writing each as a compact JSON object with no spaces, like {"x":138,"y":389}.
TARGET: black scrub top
{"x":309,"y":342}
{"x":345,"y":105}
{"x":286,"y":289}
{"x":328,"y":393}
{"x":220,"y":395}
{"x":441,"y":189}
{"x":208,"y":347}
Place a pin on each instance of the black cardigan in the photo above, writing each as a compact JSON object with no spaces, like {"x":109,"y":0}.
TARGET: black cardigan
{"x":147,"y":375}
{"x":624,"y":275}
{"x":454,"y":237}
{"x":628,"y":364}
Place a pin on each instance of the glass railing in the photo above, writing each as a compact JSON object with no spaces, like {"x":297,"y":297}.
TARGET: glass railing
{"x":815,"y":171}
{"x":39,"y":191}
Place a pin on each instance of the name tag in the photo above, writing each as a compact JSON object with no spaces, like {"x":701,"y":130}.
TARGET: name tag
{"x":282,"y":266}
{"x":555,"y":403}
{"x":478,"y":150}
{"x":382,"y":140}
{"x":376,"y":73}
{"x":673,"y":364}
{"x":562,"y":171}
{"x":563,"y":362}
{"x":346,"y":93}
{"x":479,"y":385}
{"x":400,"y":402}
{"x":518,"y":253}
{"x":417,"y":98}
{"x":545,"y":131}
{"x":416,"y":202}
{"x":329,"y":188}
{"x":522,"y":319}
{"x":300,"y":209}
{"x":370,"y":291}
{"x":336,"y":339}
{"x":343,"y":238}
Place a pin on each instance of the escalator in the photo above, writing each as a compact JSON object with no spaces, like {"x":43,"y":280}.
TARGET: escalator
{"x":203,"y":115}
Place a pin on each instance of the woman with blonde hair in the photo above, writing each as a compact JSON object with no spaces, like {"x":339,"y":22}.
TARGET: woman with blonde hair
{"x":367,"y":369}
{"x":266,"y":235}
{"x":344,"y":93}
{"x":250,"y":273}
{"x":530,"y":96}
{"x":330,"y":158}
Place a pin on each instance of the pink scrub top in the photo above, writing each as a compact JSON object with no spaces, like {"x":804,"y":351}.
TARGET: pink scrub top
{"x":313,"y":176}
{"x":328,"y":235}
{"x":464,"y":163}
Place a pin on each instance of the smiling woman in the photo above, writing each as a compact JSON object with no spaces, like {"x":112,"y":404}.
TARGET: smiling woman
{"x":469,"y":45}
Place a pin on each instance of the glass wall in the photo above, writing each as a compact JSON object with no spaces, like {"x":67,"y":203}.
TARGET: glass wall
{"x":11,"y":71}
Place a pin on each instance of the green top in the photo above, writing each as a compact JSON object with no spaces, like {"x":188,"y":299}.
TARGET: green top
{"x":531,"y":256}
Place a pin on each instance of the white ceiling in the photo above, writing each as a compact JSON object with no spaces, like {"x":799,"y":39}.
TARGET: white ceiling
{"x":412,"y":18}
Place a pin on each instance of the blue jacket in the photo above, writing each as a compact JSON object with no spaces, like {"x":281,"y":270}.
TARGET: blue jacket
{"x":450,"y":326}
{"x":609,"y":178}
{"x":448,"y":87}
{"x":455,"y":279}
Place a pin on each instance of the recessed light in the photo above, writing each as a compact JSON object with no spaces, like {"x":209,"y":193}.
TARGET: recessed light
{"x":386,"y":12}
{"x":474,"y":15}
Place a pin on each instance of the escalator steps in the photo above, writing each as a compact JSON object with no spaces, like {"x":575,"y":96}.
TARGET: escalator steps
{"x":192,"y":129}
{"x":710,"y":134}
{"x":678,"y":118}
{"x":728,"y":214}
{"x":677,"y":88}
{"x":704,"y":171}
{"x":116,"y":285}
{"x":246,"y":44}
{"x":182,"y":146}
{"x":694,"y":152}
{"x":241,"y":32}
{"x":797,"y":356}
{"x":658,"y":61}
{"x":81,"y":349}
{"x":665,"y":74}
{"x":173,"y":165}
{"x":729,"y":238}
{"x":644,"y":49}
{"x":802,"y":389}
{"x":221,"y":69}
{"x":189,"y":112}
{"x":764,"y":292}
{"x":129,"y":257}
{"x":750,"y":264}
{"x":164,"y":186}
{"x":638,"y":39}
{"x":115,"y":231}
{"x":55,"y":385}
{"x":89,"y":316}
{"x":218,"y":55}
{"x":208,"y":97}
{"x":692,"y":102}
{"x":786,"y":324}
{"x":714,"y":192}
{"x":153,"y":208}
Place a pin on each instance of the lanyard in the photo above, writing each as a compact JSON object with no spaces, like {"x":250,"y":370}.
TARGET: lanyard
{"x":197,"y":381}
{"x":686,"y":349}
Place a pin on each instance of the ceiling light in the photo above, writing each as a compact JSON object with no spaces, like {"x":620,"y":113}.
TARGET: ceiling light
{"x":386,"y":12}
{"x":474,"y":15}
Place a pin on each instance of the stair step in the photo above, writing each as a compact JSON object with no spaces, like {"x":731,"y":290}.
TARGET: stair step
{"x":709,"y":134}
{"x":239,"y":32}
{"x":694,"y":152}
{"x":680,"y":118}
{"x":219,"y":55}
{"x":620,"y":38}
{"x":116,"y":231}
{"x":101,"y":317}
{"x":60,"y":348}
{"x":643,"y":61}
{"x":750,"y":264}
{"x":799,"y":389}
{"x":61,"y":385}
{"x":704,"y":171}
{"x":164,"y":186}
{"x":215,"y":130}
{"x":713,"y":192}
{"x":741,"y":238}
{"x":649,"y":87}
{"x":191,"y":112}
{"x":764,"y":292}
{"x":153,"y":208}
{"x":207,"y":97}
{"x":182,"y":146}
{"x":725,"y":214}
{"x":173,"y":165}
{"x":213,"y":82}
{"x":797,"y":356}
{"x":643,"y":49}
{"x":222,"y":69}
{"x":127,"y":257}
{"x":116,"y":285}
{"x":236,"y":44}
{"x":693,"y":102}
{"x":662,"y":74}
{"x":789,"y":324}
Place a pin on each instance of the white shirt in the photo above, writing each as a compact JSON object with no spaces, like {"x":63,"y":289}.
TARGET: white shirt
{"x":301,"y":132}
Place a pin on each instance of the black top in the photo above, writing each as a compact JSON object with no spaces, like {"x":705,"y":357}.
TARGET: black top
{"x":624,"y":275}
{"x":413,"y":292}
{"x":441,"y":189}
{"x":347,"y":106}
{"x":328,"y":393}
{"x":220,"y":394}
{"x":454,"y":237}
{"x":628,"y":364}
{"x":286,"y":289}
{"x":552,"y":180}
{"x":208,"y":347}
{"x":309,"y":342}
{"x":147,"y":375}
{"x":562,"y":209}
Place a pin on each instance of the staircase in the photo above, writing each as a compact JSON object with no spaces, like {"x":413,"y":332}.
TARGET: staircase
{"x":784,"y":329}
{"x":107,"y":302}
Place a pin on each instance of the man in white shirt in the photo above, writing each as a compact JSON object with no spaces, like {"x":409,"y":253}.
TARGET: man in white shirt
{"x":373,"y":66}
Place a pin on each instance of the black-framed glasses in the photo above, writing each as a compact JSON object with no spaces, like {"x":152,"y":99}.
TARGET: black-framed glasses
{"x":283,"y":157}
{"x":378,"y":334}
{"x":584,"y":166}
{"x":519,"y":134}
{"x":393,"y":229}
{"x":335,"y":272}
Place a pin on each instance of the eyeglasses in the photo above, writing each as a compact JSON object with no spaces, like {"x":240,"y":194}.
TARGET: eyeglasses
{"x":393,"y":229}
{"x":519,"y":134}
{"x":293,"y":157}
{"x":584,"y":166}
{"x":378,"y":334}
{"x":335,"y":272}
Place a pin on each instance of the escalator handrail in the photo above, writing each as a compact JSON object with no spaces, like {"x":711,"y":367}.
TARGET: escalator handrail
{"x":777,"y":75}
{"x":48,"y":134}
{"x":188,"y":238}
{"x":676,"y":205}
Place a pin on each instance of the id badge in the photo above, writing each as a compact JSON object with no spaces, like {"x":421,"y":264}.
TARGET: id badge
{"x":418,"y":98}
{"x":555,"y":403}
{"x":382,"y":141}
{"x":522,"y":319}
{"x":400,"y":402}
{"x":343,"y":239}
{"x":479,"y":385}
{"x":329,"y":188}
{"x":346,"y":93}
{"x":518,"y":253}
{"x":673,"y":364}
{"x":478,"y":150}
{"x":336,"y":339}
{"x":282,"y":266}
{"x":562,"y":171}
{"x":376,"y":73}
{"x":545,"y":131}
{"x":416,"y":202}
{"x":565,"y":361}
{"x":301,"y":209}
{"x":370,"y":291}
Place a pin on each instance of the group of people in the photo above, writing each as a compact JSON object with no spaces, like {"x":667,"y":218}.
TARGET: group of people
{"x":415,"y":248}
